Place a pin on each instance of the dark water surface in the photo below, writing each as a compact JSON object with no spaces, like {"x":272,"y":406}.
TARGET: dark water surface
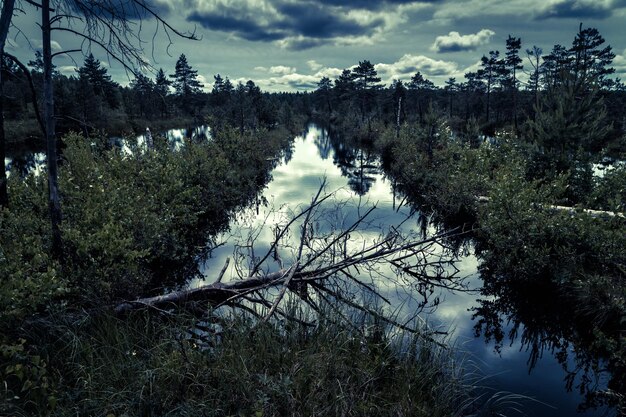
{"x":529,"y":364}
{"x":357,"y":178}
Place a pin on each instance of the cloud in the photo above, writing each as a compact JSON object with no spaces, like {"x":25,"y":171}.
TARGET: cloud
{"x":579,"y":9}
{"x":619,"y":63}
{"x":241,"y":27}
{"x":371,"y":4}
{"x":314,"y":65}
{"x":282,"y":70}
{"x":68,"y":70}
{"x":38,"y":44}
{"x":124,"y":9}
{"x":409,"y":64}
{"x":299,"y":25}
{"x":454,"y":41}
{"x":533,"y":9}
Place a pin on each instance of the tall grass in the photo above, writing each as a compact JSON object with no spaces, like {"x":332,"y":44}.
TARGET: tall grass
{"x":146,"y":365}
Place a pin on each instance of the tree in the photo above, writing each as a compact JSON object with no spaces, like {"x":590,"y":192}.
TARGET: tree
{"x":554,"y":66}
{"x":162,"y":89}
{"x":591,"y":61}
{"x":185,"y":79}
{"x":421,"y":87}
{"x":344,"y":85}
{"x":569,"y":121}
{"x":451,"y":88}
{"x":398,"y":94}
{"x":418,"y":82}
{"x":107,"y":25}
{"x":513,"y":63}
{"x":97,"y":76}
{"x":366,"y":81}
{"x":324,"y":88}
{"x":491,"y":73}
{"x":534,"y":57}
{"x":143,"y":89}
{"x":5,"y":21}
{"x":472,"y":87}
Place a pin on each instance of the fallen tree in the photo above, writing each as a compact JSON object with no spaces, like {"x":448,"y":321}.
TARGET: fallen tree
{"x":327,"y":267}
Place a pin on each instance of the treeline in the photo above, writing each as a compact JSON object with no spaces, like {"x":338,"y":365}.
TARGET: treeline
{"x":488,"y":99}
{"x":91,"y":101}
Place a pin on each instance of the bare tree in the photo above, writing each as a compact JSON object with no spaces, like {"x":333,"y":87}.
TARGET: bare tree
{"x":327,"y":269}
{"x":8,"y":7}
{"x":114,"y":26}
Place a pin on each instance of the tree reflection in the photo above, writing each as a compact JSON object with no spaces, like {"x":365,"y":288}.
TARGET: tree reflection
{"x":355,"y":162}
{"x":541,"y":317}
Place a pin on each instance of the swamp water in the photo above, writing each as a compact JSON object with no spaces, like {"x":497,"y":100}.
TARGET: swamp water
{"x":357,"y":181}
{"x":534,"y":378}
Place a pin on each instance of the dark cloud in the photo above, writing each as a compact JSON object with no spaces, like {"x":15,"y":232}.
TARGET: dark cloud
{"x":577,"y":9}
{"x":121,"y":9}
{"x":301,"y":25}
{"x":313,"y":21}
{"x":300,"y":44}
{"x":244,"y":28}
{"x":370,"y":4}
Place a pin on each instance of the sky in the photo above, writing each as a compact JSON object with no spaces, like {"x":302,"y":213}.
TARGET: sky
{"x":289,"y":45}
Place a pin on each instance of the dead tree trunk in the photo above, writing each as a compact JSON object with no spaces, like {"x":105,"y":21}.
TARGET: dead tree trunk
{"x":54,"y":203}
{"x":5,"y":22}
{"x":324,"y":266}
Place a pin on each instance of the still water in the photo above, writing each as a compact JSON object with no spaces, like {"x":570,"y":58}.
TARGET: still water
{"x":25,"y":161}
{"x":358,"y":181}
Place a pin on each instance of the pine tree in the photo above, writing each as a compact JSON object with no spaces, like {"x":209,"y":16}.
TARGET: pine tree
{"x":162,"y":84}
{"x":554,"y":66}
{"x":162,"y":89}
{"x":366,"y":81}
{"x":513,"y":63}
{"x":144,"y":91}
{"x":344,"y":85}
{"x":418,"y":82}
{"x":534,"y":56}
{"x":492,"y":73}
{"x":185,"y":79}
{"x":451,"y":88}
{"x":324,"y":88}
{"x":97,"y":76}
{"x":590,"y":61}
{"x":420,"y":89}
{"x":365,"y":76}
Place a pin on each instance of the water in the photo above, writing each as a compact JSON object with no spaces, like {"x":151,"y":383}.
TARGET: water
{"x":27,"y":162}
{"x":356,"y":178}
{"x":359,"y":182}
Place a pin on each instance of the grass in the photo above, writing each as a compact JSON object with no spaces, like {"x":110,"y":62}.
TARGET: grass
{"x":148,"y":365}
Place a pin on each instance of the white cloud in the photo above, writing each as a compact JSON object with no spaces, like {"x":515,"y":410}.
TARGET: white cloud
{"x":454,"y":41}
{"x":619,"y":63}
{"x":282,"y":70}
{"x":67,"y":70}
{"x":314,"y":65}
{"x":409,"y":64}
{"x":38,"y":44}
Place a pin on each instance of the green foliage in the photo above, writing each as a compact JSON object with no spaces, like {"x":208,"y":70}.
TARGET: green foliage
{"x":27,"y":387}
{"x":132,"y":225}
{"x":144,"y":365}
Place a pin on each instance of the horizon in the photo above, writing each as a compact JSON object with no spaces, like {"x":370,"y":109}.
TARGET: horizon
{"x":288,"y":46}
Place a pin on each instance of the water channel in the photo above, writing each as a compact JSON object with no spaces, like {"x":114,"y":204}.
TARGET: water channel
{"x":358,"y":181}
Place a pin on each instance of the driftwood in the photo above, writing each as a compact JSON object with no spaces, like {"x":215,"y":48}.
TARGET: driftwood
{"x":322,"y":272}
{"x":571,"y":210}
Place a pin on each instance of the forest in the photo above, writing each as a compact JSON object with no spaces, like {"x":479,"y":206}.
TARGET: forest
{"x":98,"y":253}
